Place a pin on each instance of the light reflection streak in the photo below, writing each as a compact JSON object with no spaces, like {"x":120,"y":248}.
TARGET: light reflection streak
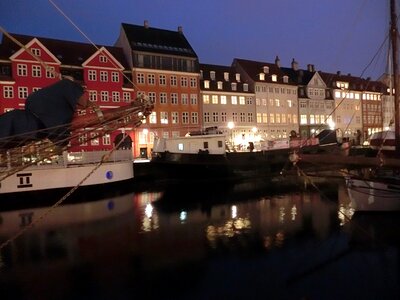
{"x":234,"y":211}
{"x":282,"y":214}
{"x":183,"y":216}
{"x":150,"y":218}
{"x":294,"y":212}
{"x":345,"y":213}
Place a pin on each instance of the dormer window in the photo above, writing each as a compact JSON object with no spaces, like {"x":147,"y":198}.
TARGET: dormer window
{"x":274,"y":78}
{"x":212,"y":75}
{"x":266,"y":69}
{"x":237,"y":77}
{"x":103,"y":58}
{"x":36,"y":51}
{"x":206,"y":84}
{"x":234,"y":86}
{"x":285,"y":79}
{"x":226,"y":76}
{"x":219,"y":84}
{"x":262,"y":76}
{"x":245,"y":87}
{"x":342,"y":84}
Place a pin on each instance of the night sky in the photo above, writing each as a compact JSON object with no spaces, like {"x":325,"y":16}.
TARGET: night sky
{"x":333,"y":35}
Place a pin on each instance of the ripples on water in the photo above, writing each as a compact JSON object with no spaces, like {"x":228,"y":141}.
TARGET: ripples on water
{"x":202,"y":241}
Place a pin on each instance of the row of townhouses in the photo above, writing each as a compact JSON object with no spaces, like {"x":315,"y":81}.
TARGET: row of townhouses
{"x":248,"y":100}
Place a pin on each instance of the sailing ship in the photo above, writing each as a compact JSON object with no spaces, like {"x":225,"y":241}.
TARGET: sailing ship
{"x":378,"y":189}
{"x":34,"y":155}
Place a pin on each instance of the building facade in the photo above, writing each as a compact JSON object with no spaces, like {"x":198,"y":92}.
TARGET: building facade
{"x":165,"y":68}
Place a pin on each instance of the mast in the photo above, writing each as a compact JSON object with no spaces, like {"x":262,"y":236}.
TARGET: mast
{"x":393,"y":35}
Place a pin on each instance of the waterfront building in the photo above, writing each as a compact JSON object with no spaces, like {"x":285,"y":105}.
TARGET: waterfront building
{"x":99,"y":68}
{"x":165,"y":67}
{"x":276,"y":97}
{"x":228,"y":104}
{"x":358,"y":105}
{"x":315,"y":100}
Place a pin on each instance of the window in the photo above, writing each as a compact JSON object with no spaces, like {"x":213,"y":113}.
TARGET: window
{"x":234,"y":100}
{"x":195,"y":118}
{"x":164,"y":117}
{"x":249,"y":117}
{"x":22,"y":70}
{"x":242,"y":100}
{"x":185,"y":118}
{"x":175,"y":117}
{"x":223,"y":99}
{"x":22,"y":92}
{"x":104,"y":96}
{"x":103,"y":58}
{"x":127,"y":97}
{"x":193,"y":82}
{"x":234,"y":86}
{"x":151,"y":79}
{"x":206,"y":117}
{"x":193,"y":99}
{"x":245,"y":87}
{"x":94,"y":139}
{"x":92,"y":75}
{"x":206,"y":99}
{"x":153,"y":118}
{"x":114,"y":77}
{"x":106,"y":139}
{"x":212,"y":75}
{"x":214,"y":99}
{"x":152,"y":97}
{"x":274,"y":78}
{"x":8,"y":92}
{"x":277,"y":102}
{"x":264,"y":117}
{"x":140,"y":78}
{"x":36,"y":71}
{"x":36,"y":51}
{"x":115,"y":97}
{"x":82,"y":139}
{"x":162,"y":80}
{"x":184,"y":99}
{"x":219,"y":85}
{"x":223,"y":117}
{"x":303,"y":119}
{"x":163,"y":98}
{"x":50,"y":72}
{"x":174,"y":98}
{"x":173,"y":80}
{"x":92,"y":96}
{"x":103,"y":76}
{"x":215,"y":117}
{"x":289,"y":103}
{"x":234,"y":117}
{"x":206,"y":84}
{"x":271,"y":118}
{"x":184,"y":82}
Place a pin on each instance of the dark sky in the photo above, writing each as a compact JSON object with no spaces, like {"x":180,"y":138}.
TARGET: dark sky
{"x":333,"y":35}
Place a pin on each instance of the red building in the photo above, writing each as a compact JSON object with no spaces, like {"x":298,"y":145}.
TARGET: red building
{"x":165,"y":67}
{"x":102,"y":69}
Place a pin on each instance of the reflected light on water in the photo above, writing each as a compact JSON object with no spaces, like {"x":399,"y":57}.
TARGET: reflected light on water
{"x":294,"y":212}
{"x":345,"y":213}
{"x":183,"y":216}
{"x":150,"y":219}
{"x":148,"y":210}
{"x":234,"y":211}
{"x":282,"y":214}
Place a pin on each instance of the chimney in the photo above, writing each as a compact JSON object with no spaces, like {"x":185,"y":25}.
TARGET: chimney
{"x":146,"y":24}
{"x":310,"y":68}
{"x":277,"y":61}
{"x":338,"y":73}
{"x":180,"y":29}
{"x":295,"y":65}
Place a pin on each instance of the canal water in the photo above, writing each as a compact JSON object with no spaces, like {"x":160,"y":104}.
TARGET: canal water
{"x":205,"y":240}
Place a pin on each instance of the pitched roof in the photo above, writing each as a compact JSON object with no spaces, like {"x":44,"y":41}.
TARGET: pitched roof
{"x":148,"y":39}
{"x":355,"y":83}
{"x":220,"y":77}
{"x":254,"y":68}
{"x":68,"y":52}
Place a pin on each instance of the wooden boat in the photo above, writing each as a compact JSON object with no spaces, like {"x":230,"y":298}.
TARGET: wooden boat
{"x":44,"y":163}
{"x":205,"y":155}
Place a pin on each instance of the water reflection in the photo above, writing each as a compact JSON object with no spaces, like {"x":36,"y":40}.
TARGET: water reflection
{"x":244,"y":240}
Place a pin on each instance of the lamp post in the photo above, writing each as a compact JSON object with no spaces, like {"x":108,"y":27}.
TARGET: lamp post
{"x":231,"y":125}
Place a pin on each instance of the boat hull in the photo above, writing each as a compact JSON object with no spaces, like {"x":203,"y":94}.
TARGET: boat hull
{"x":373,"y":196}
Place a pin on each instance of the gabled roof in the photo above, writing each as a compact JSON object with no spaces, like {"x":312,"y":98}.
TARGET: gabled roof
{"x":147,"y":39}
{"x":220,"y":71}
{"x":299,"y":76}
{"x":355,"y":83}
{"x":254,"y":68}
{"x":68,"y":52}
